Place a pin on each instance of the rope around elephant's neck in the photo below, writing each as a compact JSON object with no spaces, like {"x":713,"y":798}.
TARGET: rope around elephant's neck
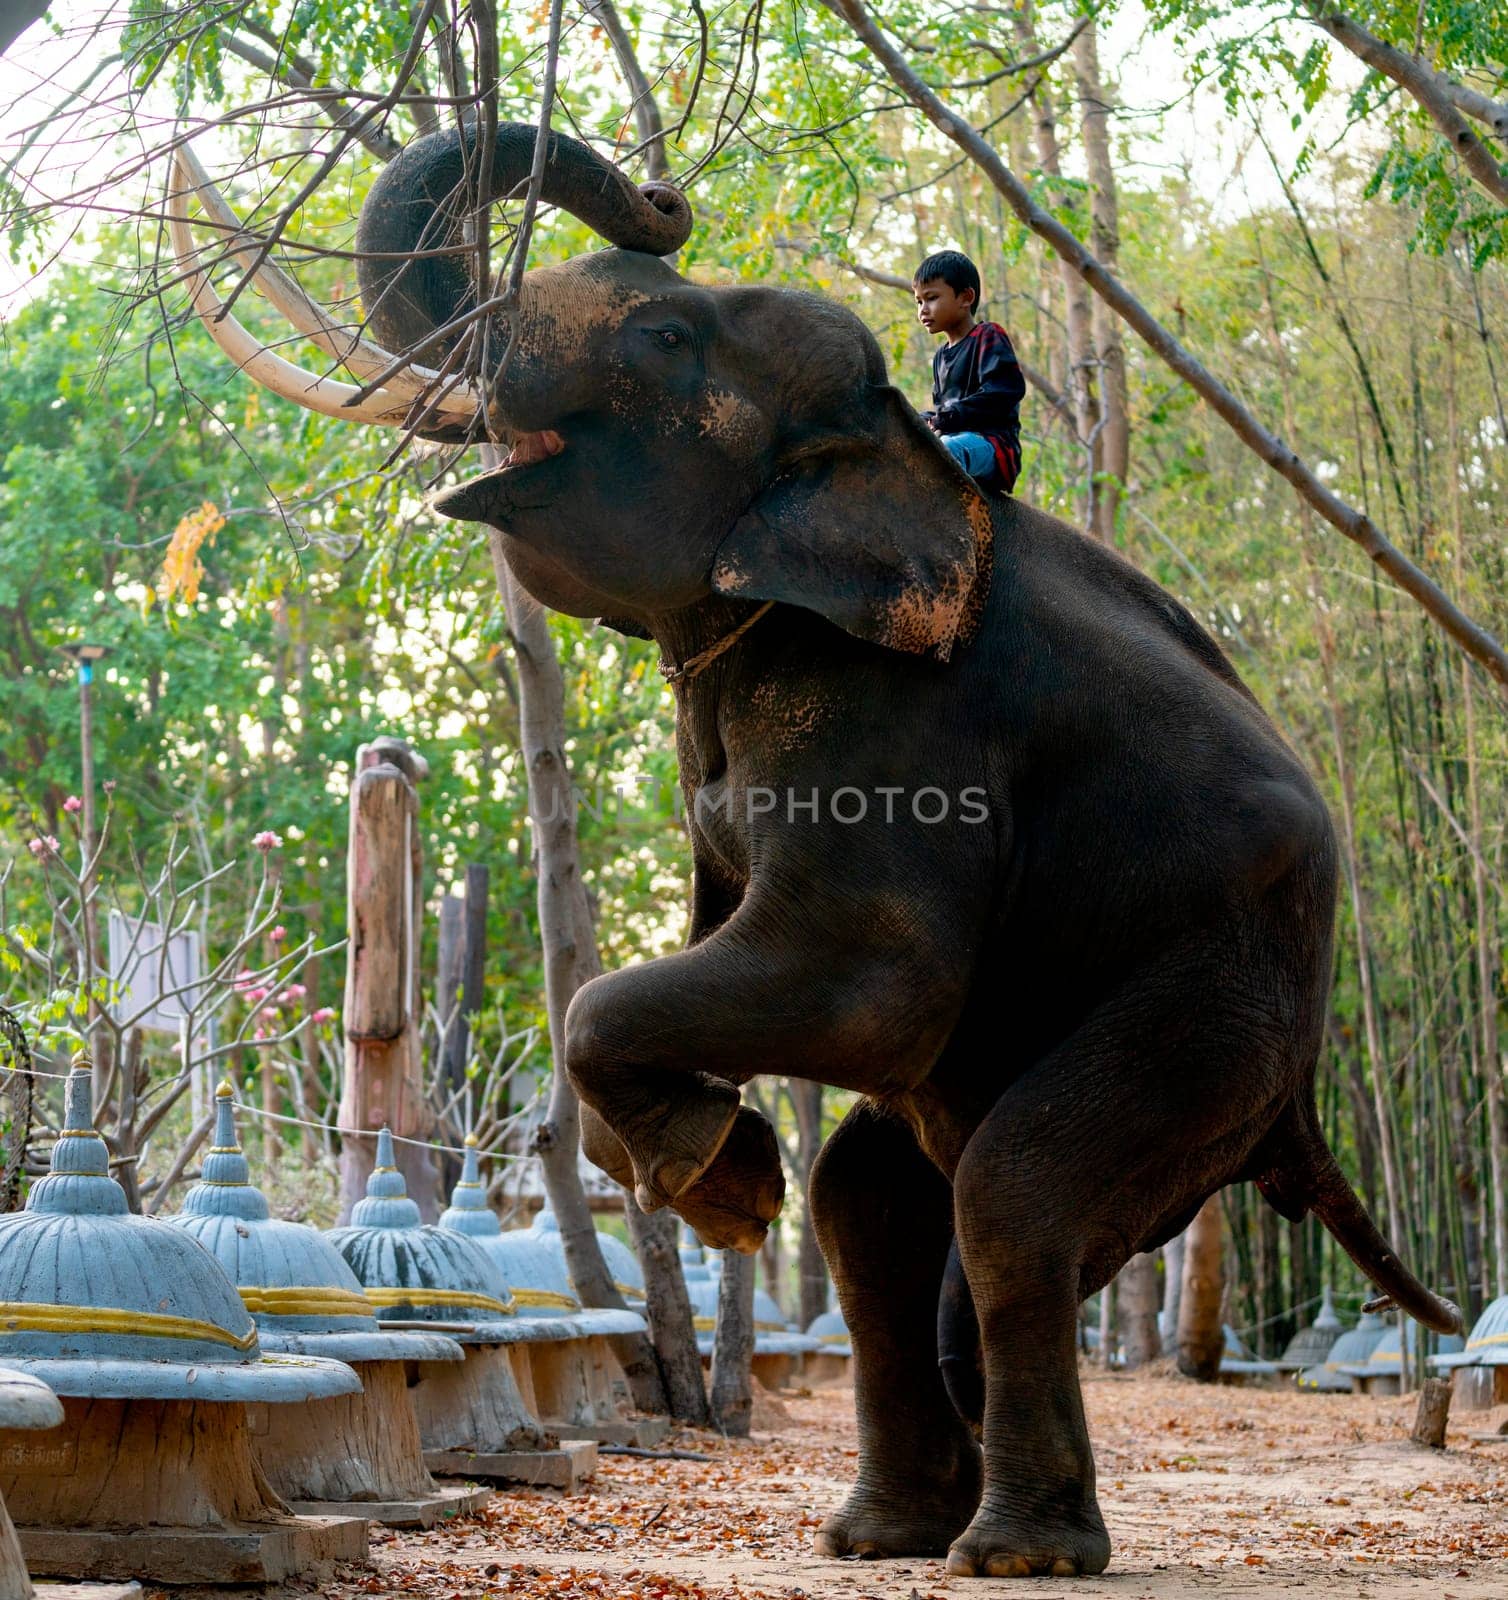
{"x":703,"y":659}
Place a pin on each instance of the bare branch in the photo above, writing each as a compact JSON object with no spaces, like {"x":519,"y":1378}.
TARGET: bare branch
{"x":1432,"y":90}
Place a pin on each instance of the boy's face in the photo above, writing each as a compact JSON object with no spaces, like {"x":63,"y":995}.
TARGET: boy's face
{"x":940,"y":309}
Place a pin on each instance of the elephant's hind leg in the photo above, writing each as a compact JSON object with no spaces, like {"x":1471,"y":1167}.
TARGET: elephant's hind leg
{"x":1149,"y":1106}
{"x":884,"y":1217}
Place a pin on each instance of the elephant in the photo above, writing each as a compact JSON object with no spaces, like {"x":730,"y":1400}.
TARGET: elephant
{"x":984,"y":828}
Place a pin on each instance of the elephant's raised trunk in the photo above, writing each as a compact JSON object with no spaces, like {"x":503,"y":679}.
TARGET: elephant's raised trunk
{"x":418,"y":205}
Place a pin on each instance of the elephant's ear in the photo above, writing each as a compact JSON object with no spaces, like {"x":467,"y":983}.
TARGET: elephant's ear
{"x":876,"y":529}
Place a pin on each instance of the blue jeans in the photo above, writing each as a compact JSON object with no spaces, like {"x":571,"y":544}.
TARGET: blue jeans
{"x":972,"y":451}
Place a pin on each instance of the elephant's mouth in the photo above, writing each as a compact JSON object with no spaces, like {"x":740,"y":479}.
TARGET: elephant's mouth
{"x":529,"y":449}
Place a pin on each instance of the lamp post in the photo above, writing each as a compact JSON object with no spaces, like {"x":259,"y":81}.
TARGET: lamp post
{"x":83,"y":657}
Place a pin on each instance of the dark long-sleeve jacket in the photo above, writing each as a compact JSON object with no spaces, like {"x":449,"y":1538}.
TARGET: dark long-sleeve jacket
{"x":977,"y":387}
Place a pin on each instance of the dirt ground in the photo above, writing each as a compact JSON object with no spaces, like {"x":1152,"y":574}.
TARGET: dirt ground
{"x":1206,"y":1492}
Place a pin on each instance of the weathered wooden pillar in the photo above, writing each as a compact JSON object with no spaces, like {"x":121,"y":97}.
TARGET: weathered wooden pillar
{"x":384,"y":894}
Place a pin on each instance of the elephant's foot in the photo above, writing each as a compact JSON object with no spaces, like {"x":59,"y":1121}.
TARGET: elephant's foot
{"x":921,"y":1521}
{"x":732,"y":1204}
{"x":1016,"y":1547}
{"x":675,"y":1142}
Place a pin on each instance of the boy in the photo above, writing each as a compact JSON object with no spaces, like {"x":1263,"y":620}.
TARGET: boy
{"x":977,"y":385}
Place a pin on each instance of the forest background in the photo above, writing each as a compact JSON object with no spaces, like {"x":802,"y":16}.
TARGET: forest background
{"x":275,"y":593}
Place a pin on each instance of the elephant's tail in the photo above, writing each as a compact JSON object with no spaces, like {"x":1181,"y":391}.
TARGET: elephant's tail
{"x":1307,"y":1177}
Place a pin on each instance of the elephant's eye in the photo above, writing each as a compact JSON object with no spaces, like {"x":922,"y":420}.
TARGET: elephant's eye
{"x":669,"y":338}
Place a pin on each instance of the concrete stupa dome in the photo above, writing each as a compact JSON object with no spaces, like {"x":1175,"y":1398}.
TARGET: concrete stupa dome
{"x":301,"y":1294}
{"x":773,"y":1336}
{"x":831,"y":1332}
{"x":1351,"y":1349}
{"x":414,"y":1273}
{"x":1310,"y":1346}
{"x":98,"y":1302}
{"x":1486,"y":1344}
{"x":531,"y":1260}
{"x":628,"y":1275}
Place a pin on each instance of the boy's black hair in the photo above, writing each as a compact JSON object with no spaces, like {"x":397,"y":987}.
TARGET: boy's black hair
{"x":953,"y":268}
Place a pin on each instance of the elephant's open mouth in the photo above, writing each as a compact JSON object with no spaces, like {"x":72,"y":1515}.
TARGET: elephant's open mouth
{"x":529,"y":449}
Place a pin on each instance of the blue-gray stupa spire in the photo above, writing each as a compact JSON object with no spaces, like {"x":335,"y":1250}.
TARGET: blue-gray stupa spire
{"x":468,"y":1211}
{"x":79,"y":1183}
{"x":226,"y":1189}
{"x":387,"y":1204}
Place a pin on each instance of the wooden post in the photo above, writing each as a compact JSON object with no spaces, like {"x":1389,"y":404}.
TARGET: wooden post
{"x":384,"y":889}
{"x":1433,"y":1413}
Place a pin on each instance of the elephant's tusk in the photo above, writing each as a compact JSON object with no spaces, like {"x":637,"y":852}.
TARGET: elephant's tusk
{"x":401,"y":400}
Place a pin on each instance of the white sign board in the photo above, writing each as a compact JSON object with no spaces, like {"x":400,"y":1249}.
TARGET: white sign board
{"x":160,"y":982}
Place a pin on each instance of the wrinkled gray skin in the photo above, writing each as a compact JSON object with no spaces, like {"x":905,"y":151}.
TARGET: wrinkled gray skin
{"x":1070,"y":1021}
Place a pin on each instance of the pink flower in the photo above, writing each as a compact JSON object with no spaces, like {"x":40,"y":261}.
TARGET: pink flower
{"x":260,"y":1033}
{"x":324,"y":1014}
{"x":278,"y":934}
{"x":44,"y":848}
{"x":253,"y":993}
{"x":294,"y":991}
{"x":242,"y":979}
{"x":73,"y":804}
{"x":267,"y":840}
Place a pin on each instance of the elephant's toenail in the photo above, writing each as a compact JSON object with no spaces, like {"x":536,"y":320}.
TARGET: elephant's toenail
{"x":960,"y":1566}
{"x":1008,"y":1567}
{"x":867,"y":1551}
{"x":1064,"y":1568}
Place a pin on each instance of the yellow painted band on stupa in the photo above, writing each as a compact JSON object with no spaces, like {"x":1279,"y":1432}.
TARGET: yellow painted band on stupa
{"x":313,"y":1300}
{"x":463,"y":1298}
{"x":543,"y":1297}
{"x":24,"y":1317}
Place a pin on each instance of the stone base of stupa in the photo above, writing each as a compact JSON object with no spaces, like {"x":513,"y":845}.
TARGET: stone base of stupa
{"x":297,"y":1547}
{"x":824,"y":1367}
{"x":566,"y":1468}
{"x":446,"y":1502}
{"x":573,"y":1387}
{"x":358,"y":1455}
{"x":774,"y":1372}
{"x":164,"y":1490}
{"x":1478,"y":1388}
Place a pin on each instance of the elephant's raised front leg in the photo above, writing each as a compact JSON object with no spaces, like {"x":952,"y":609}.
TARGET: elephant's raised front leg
{"x":658,"y":1051}
{"x":884,"y":1216}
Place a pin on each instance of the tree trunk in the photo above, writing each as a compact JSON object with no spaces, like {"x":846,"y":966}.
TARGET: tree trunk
{"x":1201,"y":1339}
{"x":383,"y":1085}
{"x":570,"y":953}
{"x":806,"y":1098}
{"x":733,"y":1348}
{"x":1108,"y":1334}
{"x":1079,"y":373}
{"x":1138,"y":1310}
{"x":655,"y":1239}
{"x":1104,"y":236}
